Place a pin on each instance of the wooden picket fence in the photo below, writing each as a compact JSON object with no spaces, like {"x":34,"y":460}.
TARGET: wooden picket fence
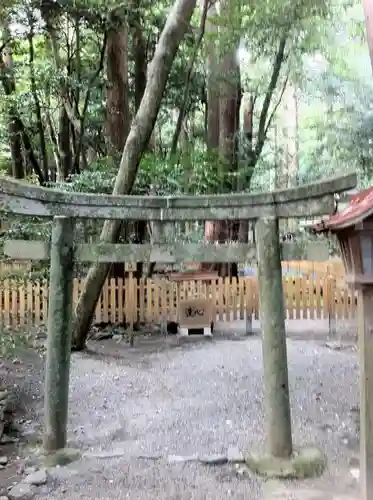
{"x":313,"y":294}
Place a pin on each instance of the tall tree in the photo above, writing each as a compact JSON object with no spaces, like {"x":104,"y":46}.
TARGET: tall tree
{"x":229,"y":103}
{"x":9,"y":84}
{"x":212,"y":86}
{"x":117,"y":101}
{"x":368,"y":12}
{"x":173,"y":32}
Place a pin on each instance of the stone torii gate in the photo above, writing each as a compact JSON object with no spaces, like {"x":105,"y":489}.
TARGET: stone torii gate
{"x":305,"y":201}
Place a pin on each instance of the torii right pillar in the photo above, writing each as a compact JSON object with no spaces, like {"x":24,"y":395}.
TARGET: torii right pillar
{"x":365,"y":328}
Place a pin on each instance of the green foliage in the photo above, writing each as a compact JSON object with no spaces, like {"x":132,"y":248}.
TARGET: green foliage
{"x":197,"y":176}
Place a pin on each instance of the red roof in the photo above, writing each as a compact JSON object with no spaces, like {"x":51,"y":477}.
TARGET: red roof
{"x":359,"y":208}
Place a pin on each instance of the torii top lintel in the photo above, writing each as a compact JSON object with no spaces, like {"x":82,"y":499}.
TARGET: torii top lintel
{"x":307,"y":200}
{"x":359,"y":208}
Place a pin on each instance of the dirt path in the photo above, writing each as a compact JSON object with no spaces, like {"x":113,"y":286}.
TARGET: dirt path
{"x":137,"y":415}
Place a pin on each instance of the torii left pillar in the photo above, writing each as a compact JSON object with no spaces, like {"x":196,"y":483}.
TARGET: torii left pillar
{"x":57,"y":366}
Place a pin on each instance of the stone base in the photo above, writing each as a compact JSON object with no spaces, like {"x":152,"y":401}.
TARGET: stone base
{"x":60,"y":457}
{"x":305,"y":462}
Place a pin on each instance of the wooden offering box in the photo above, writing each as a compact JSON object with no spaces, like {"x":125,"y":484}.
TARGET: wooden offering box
{"x":195,"y":313}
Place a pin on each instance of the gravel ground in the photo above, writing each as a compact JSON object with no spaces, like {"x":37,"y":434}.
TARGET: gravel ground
{"x":195,"y":399}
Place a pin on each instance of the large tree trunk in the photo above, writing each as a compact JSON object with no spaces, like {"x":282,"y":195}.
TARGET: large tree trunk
{"x":212,"y":87}
{"x":117,"y":105}
{"x":229,"y":116}
{"x":139,"y":52}
{"x":117,"y":102}
{"x":64,"y":145}
{"x":290,"y":101}
{"x":14,"y":131}
{"x":229,"y":124}
{"x":37,"y":104}
{"x":368,"y":12}
{"x":188,"y":80}
{"x":140,"y":132}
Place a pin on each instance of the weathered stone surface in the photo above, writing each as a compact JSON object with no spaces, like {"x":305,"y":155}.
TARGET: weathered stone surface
{"x":21,"y":491}
{"x":306,"y":200}
{"x":214,"y":459}
{"x":37,"y":478}
{"x":56,"y":386}
{"x":165,"y":253}
{"x":272,"y":317}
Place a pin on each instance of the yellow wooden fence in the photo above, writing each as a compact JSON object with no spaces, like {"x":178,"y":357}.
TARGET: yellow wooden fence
{"x":312,"y":295}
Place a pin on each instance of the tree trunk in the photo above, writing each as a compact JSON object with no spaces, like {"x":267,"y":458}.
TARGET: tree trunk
{"x":140,"y":132}
{"x":368,"y":12}
{"x":64,"y":145}
{"x":139,"y":53}
{"x":34,"y":92}
{"x":229,"y":124}
{"x":117,"y":106}
{"x":291,"y":145}
{"x":212,"y":87}
{"x":117,"y":103}
{"x":229,"y":116}
{"x":188,"y":79}
{"x":15,"y":134}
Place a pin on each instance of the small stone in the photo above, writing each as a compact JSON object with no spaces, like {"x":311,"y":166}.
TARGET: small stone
{"x":235,"y":456}
{"x":354,"y":462}
{"x":335,"y":346}
{"x":21,"y":491}
{"x":37,"y":478}
{"x":355,"y":473}
{"x":241,"y":471}
{"x":214,"y":459}
{"x":3,"y":395}
{"x":7,"y":439}
{"x":3,"y":460}
{"x":29,"y":470}
{"x":174,"y":459}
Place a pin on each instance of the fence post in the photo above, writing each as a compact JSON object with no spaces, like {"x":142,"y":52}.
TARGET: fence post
{"x":249,"y":322}
{"x":57,"y":368}
{"x":132,"y":298}
{"x":331,"y":305}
